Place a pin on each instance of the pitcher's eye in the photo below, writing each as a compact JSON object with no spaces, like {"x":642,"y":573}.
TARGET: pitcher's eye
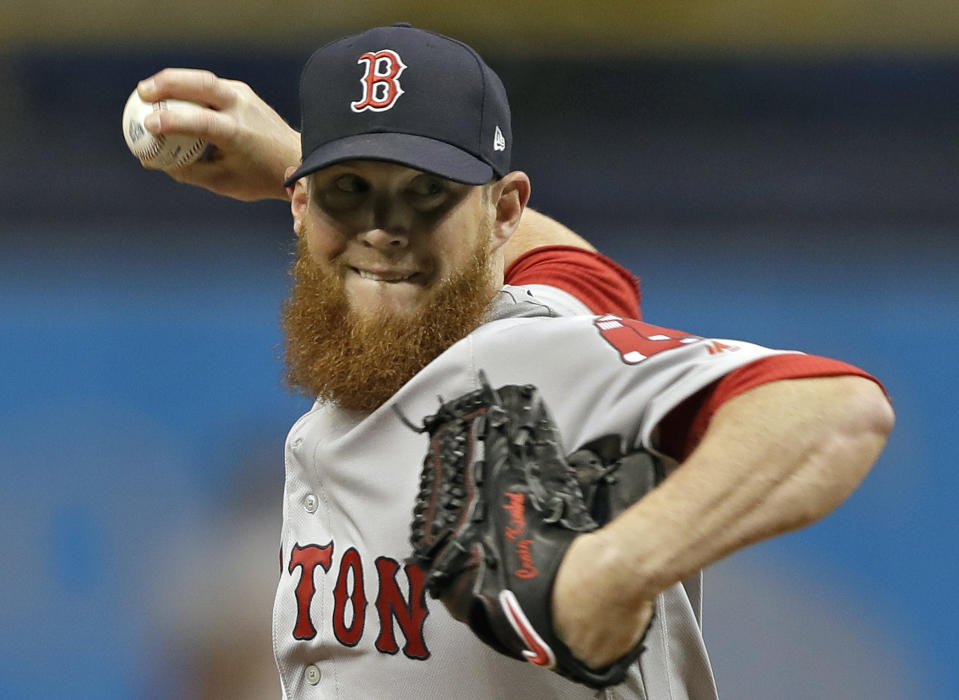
{"x":428,"y":186}
{"x":342,"y":193}
{"x":352,"y":184}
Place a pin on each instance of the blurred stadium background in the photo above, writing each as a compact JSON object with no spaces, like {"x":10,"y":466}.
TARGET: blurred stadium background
{"x":777,"y":171}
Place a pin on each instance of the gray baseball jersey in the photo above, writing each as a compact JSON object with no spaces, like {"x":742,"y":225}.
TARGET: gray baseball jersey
{"x":351,"y":619}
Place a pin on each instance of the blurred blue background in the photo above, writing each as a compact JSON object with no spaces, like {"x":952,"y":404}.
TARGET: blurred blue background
{"x":777,"y":176}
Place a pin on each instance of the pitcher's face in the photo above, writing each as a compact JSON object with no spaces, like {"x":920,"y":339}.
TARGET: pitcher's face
{"x":390,"y":233}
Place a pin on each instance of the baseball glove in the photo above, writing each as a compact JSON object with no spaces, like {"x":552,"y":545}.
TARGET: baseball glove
{"x":498,"y":507}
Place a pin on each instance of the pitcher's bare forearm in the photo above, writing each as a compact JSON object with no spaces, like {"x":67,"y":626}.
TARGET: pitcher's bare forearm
{"x":774,"y":459}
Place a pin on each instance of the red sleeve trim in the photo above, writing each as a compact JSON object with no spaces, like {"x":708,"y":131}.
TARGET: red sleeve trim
{"x":599,"y":282}
{"x":684,"y":427}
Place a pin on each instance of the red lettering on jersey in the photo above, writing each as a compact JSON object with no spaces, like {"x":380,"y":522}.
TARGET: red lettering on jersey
{"x":307,"y":558}
{"x":349,"y":635}
{"x":636,"y":341}
{"x":716,"y":347}
{"x":391,"y":605}
{"x":381,"y":85}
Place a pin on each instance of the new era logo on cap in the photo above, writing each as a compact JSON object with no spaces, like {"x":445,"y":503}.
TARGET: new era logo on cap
{"x":407,"y":96}
{"x":499,"y":141}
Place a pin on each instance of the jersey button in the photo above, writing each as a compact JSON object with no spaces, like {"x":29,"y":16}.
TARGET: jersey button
{"x":312,"y":674}
{"x":311,"y":502}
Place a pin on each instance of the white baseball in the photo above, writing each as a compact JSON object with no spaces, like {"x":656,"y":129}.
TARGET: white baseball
{"x":164,"y":150}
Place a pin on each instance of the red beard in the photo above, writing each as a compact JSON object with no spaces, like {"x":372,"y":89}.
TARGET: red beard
{"x":358,"y":362}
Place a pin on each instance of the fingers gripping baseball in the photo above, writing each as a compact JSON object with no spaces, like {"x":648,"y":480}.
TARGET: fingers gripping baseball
{"x":207,"y":124}
{"x":194,"y":85}
{"x":250,"y":145}
{"x":216,"y":123}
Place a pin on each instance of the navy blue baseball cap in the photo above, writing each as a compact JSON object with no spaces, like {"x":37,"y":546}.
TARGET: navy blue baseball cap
{"x":408,"y":96}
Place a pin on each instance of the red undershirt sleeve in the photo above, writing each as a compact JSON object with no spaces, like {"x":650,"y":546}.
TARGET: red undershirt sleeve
{"x":599,"y":282}
{"x":683,"y":428}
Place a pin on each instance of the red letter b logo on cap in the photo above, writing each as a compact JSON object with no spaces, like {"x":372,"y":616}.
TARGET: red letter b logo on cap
{"x":381,"y":85}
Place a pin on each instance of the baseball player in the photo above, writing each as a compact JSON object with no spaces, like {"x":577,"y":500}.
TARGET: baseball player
{"x":404,"y":205}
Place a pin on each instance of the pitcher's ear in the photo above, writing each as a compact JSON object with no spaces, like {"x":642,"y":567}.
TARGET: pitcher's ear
{"x":509,"y":196}
{"x":299,"y":193}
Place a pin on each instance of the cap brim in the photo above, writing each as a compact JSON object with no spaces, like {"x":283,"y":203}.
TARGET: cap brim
{"x":417,"y":152}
